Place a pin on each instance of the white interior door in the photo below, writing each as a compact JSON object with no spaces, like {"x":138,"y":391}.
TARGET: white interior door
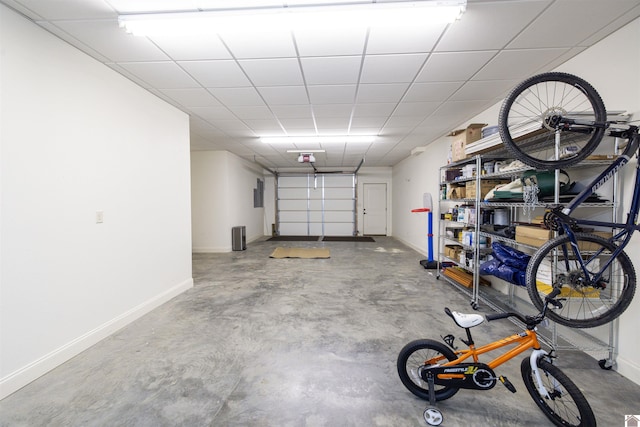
{"x":374,"y":212}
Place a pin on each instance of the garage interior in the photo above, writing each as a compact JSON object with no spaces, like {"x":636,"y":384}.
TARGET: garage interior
{"x":127,"y":161}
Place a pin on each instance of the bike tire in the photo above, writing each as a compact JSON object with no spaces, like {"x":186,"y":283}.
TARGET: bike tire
{"x":583,"y":306}
{"x":540,"y":97}
{"x":567,"y":406}
{"x":412,"y":359}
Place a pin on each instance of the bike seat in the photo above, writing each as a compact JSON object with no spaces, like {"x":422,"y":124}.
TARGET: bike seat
{"x":465,"y":320}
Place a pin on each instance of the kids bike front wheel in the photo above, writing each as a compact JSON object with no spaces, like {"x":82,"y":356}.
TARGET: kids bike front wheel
{"x":538,"y":105}
{"x":565,"y":404}
{"x":592,"y":292}
{"x":415,"y":358}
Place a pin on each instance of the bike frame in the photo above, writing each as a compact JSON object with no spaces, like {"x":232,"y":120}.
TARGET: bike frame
{"x":525,"y":340}
{"x":627,"y":229}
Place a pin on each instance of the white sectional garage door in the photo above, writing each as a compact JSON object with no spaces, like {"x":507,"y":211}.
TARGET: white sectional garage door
{"x":316,"y":205}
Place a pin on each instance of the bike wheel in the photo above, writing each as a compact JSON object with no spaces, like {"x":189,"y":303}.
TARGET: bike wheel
{"x":417,"y":356}
{"x":586,"y":303}
{"x":540,"y":100}
{"x":566,"y":405}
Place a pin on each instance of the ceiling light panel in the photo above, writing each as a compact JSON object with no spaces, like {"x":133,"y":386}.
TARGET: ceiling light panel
{"x":328,"y":17}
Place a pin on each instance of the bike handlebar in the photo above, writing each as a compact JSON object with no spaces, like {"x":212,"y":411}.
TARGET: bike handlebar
{"x":530,"y":321}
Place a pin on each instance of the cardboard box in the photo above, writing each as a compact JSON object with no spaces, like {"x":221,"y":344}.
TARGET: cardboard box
{"x":485,"y":186}
{"x":587,"y":246}
{"x":537,"y":236}
{"x":532,"y":236}
{"x":456,"y":191}
{"x":462,"y":137}
{"x":452,"y":252}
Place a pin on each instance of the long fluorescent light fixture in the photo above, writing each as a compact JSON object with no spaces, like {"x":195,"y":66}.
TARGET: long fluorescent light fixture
{"x":318,"y":139}
{"x":326,"y":17}
{"x":306,"y":151}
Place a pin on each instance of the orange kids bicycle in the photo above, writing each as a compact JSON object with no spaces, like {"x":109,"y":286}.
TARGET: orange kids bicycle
{"x":434,"y":371}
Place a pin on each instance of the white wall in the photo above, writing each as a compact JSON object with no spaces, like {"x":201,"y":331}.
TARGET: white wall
{"x":76,"y":138}
{"x":222,"y":192}
{"x":619,"y":85}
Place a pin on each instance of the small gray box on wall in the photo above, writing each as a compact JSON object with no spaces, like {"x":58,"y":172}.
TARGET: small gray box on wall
{"x":239,"y":238}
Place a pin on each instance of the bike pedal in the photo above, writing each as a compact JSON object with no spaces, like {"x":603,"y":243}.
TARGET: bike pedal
{"x":507,"y":384}
{"x":449,"y":339}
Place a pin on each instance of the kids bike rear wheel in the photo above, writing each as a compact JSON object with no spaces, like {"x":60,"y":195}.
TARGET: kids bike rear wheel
{"x":585,"y":302}
{"x":540,"y":101}
{"x":566,"y":405}
{"x":417,"y":356}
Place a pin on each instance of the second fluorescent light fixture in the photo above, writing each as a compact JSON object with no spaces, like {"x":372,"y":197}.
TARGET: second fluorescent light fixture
{"x":322,"y":17}
{"x":318,"y":139}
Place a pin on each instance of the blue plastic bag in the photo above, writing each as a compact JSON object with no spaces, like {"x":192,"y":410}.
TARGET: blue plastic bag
{"x":509,"y":264}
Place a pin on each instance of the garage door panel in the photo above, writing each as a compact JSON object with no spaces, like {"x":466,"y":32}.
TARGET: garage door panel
{"x":338,"y":205}
{"x":338,"y":216}
{"x":292,"y":194}
{"x":293,"y":216}
{"x":338,"y":229}
{"x":293,"y":229}
{"x":292,"y":205}
{"x":293,"y":181}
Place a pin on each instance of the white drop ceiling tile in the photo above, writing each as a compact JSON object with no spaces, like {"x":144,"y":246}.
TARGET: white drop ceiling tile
{"x":70,"y":9}
{"x":518,"y":64}
{"x":391,"y":68}
{"x":113,"y":42}
{"x":374,"y":109}
{"x":226,"y":125}
{"x":460,"y":109}
{"x":565,"y":24}
{"x":416,"y":108}
{"x":332,"y":110}
{"x":140,"y":6}
{"x":368,"y":122}
{"x":129,"y":75}
{"x":613,"y":26}
{"x":484,"y":90}
{"x":191,"y":47}
{"x":331,"y":70}
{"x":563,"y":58}
{"x":263,"y":126}
{"x":273,"y":72}
{"x":291,"y":111}
{"x":192,"y":97}
{"x":385,"y":93}
{"x":404,"y":121}
{"x":272,"y":44}
{"x":235,"y":96}
{"x":490,"y":25}
{"x":332,"y":94}
{"x":327,"y":125}
{"x":297,"y":124}
{"x":251,"y":112}
{"x":454,"y":66}
{"x":213,"y":114}
{"x":403,"y":39}
{"x":431,"y":92}
{"x":338,"y":41}
{"x":212,"y":74}
{"x":161,"y":75}
{"x":284,"y":95}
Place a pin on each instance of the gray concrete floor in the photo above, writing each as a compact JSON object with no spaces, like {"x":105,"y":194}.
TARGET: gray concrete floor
{"x":292,"y":342}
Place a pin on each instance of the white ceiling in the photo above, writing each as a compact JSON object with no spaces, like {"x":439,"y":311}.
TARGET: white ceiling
{"x":408,"y":85}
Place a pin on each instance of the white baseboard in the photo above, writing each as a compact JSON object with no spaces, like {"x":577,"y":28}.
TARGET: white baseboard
{"x":628,"y":369}
{"x":211,"y":250}
{"x":23,"y":376}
